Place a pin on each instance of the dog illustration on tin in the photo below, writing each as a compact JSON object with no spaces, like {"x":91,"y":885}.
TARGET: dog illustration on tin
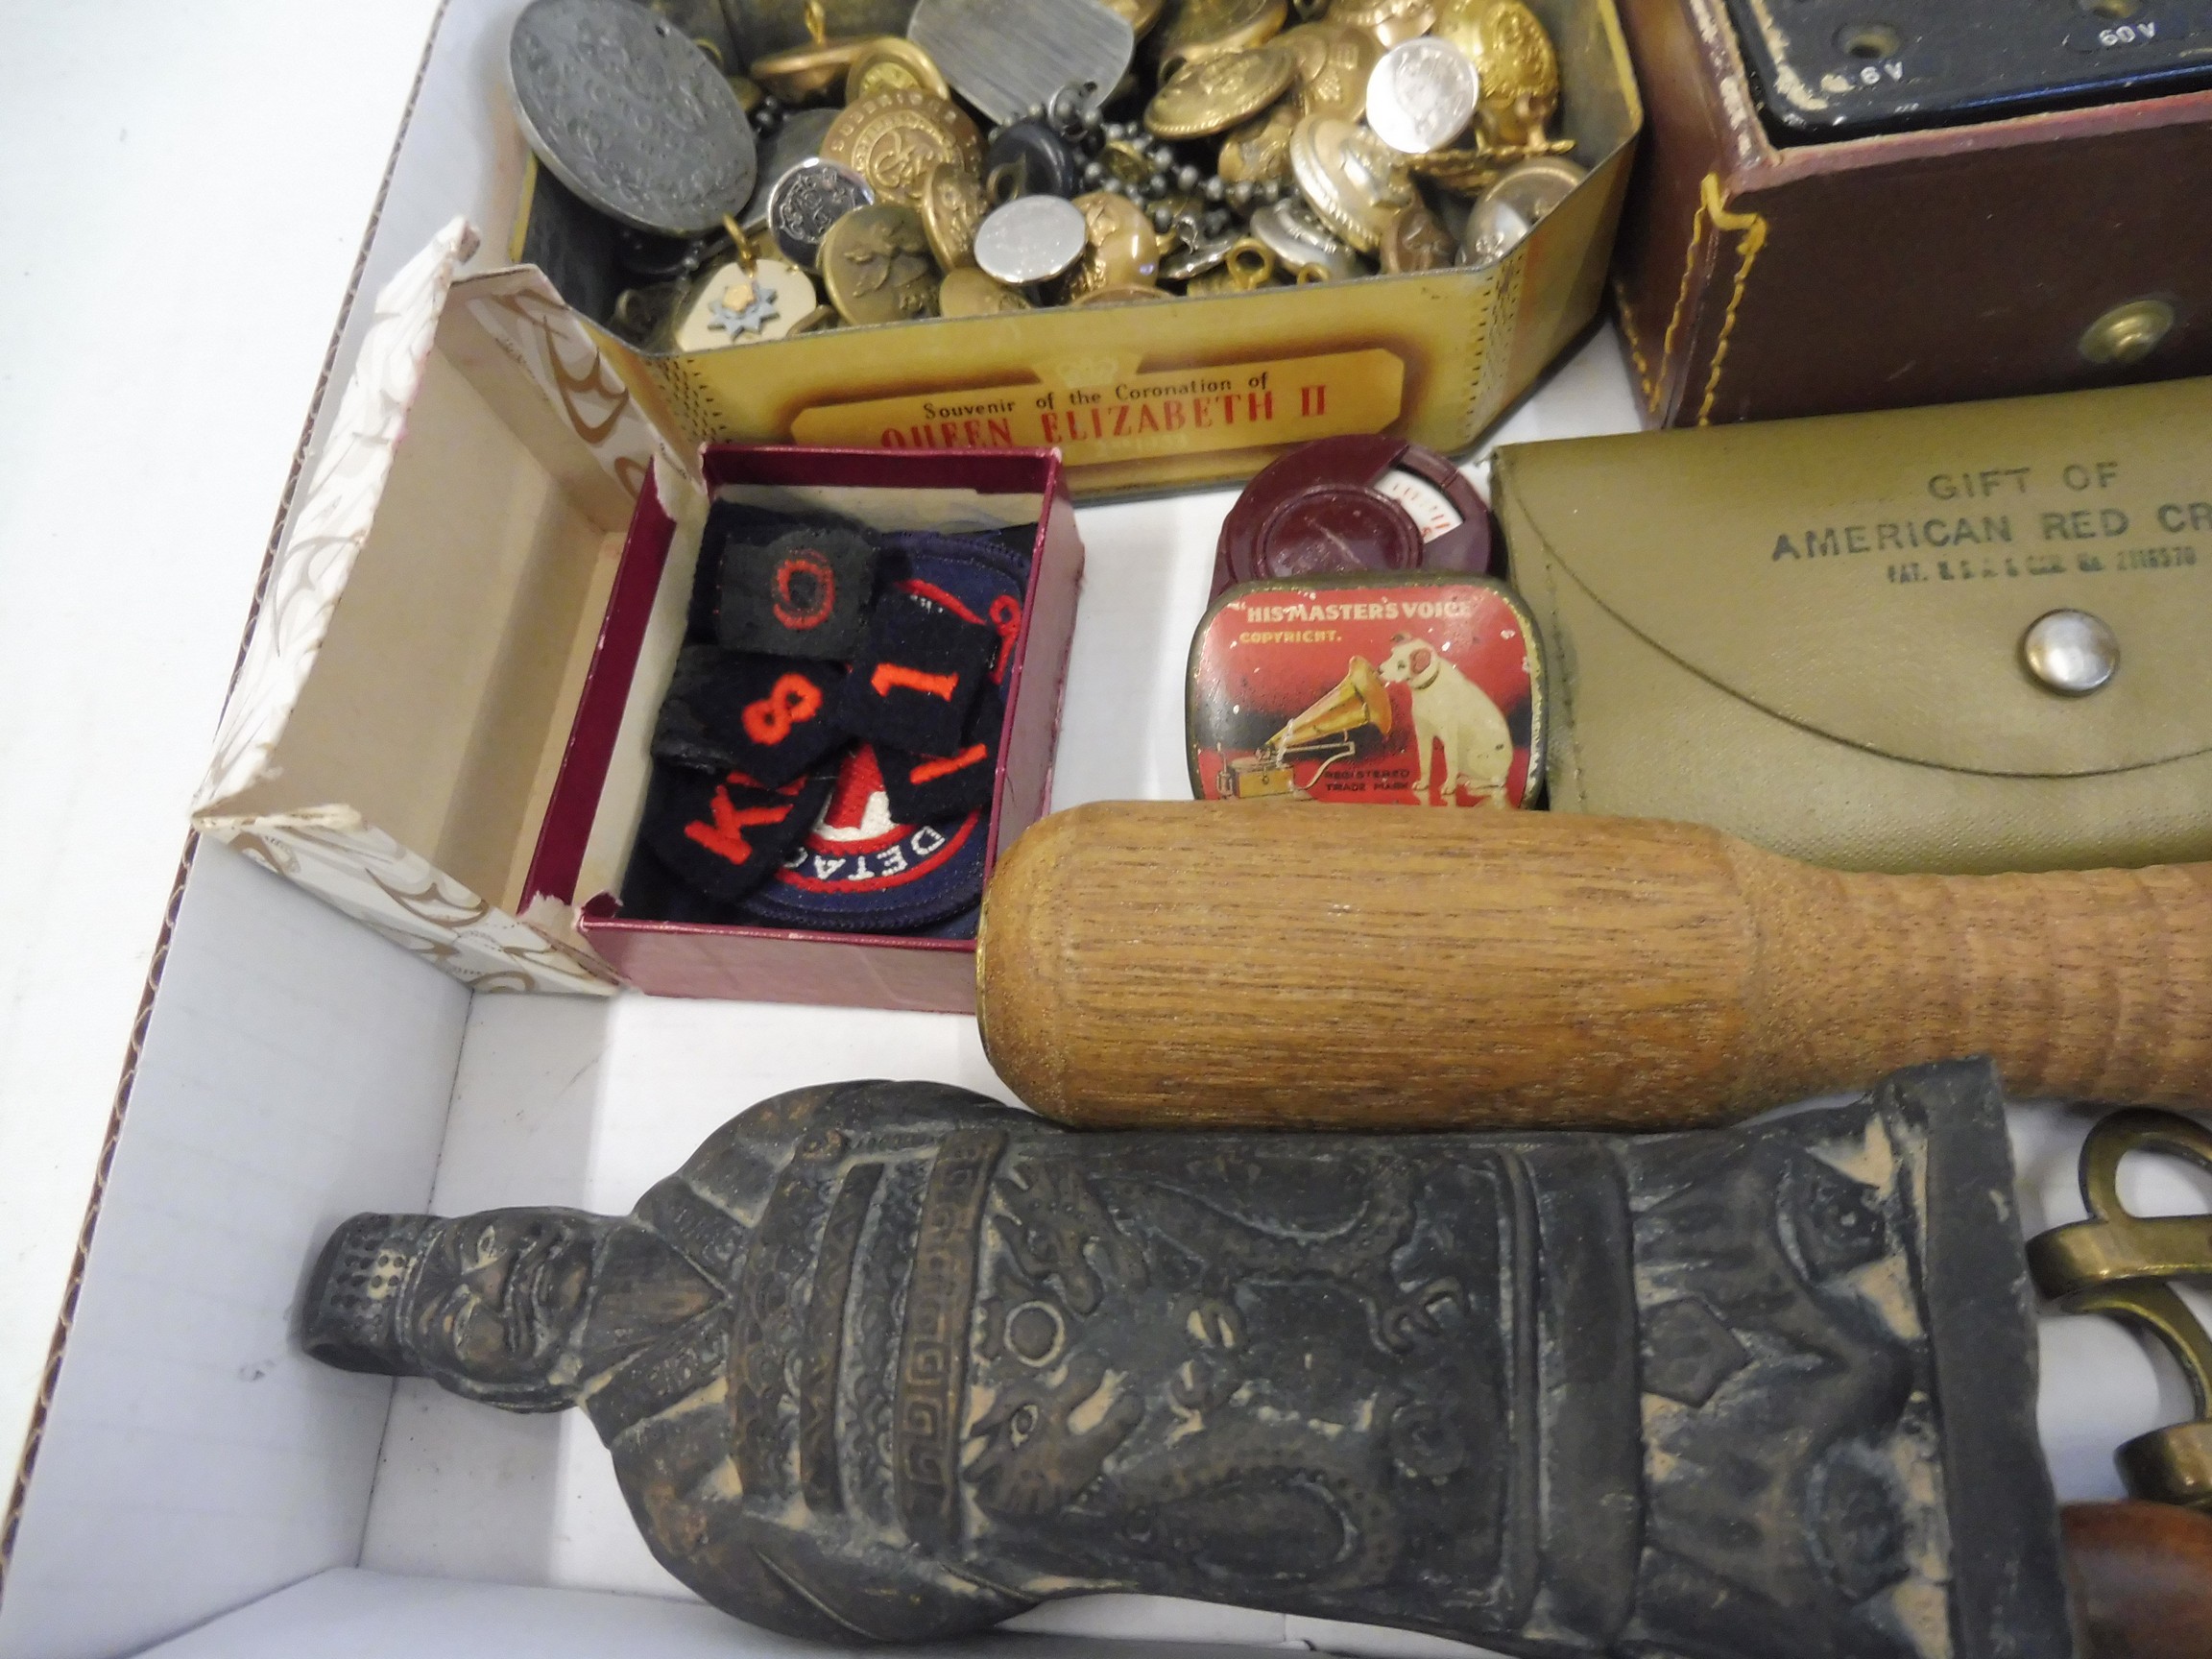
{"x":1447,"y":705}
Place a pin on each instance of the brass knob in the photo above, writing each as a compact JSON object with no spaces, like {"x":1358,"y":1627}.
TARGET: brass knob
{"x":2128,"y":333}
{"x":2070,"y":652}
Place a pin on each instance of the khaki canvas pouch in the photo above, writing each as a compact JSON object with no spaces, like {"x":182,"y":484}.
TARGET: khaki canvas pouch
{"x":1810,"y":633}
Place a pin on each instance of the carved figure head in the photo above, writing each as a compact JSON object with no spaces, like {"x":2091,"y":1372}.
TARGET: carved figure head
{"x":489,"y":1306}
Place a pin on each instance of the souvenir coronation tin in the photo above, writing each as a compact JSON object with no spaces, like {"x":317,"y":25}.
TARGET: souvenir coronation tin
{"x":1423,"y":690}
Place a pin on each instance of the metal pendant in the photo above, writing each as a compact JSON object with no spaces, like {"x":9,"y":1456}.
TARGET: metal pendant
{"x":630,"y":115}
{"x":1009,"y":57}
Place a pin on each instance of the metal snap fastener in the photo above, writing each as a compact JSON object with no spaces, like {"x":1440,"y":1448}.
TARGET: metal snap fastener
{"x":2128,"y":333}
{"x":2070,"y":652}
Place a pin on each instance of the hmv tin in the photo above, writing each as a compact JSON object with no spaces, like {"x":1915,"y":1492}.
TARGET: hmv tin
{"x":1414,"y":689}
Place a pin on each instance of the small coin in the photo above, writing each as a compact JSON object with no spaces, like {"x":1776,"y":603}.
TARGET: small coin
{"x":1389,"y":21}
{"x":1259,"y":149}
{"x":1213,"y":94}
{"x":1122,"y":250}
{"x":1352,"y":181}
{"x":876,"y":265}
{"x":630,"y":115}
{"x":892,"y":141}
{"x":1031,"y":239}
{"x":1301,"y":242}
{"x":1334,"y":63}
{"x":799,"y":139}
{"x":891,"y":64}
{"x":1006,"y":57}
{"x":969,"y":292}
{"x":1128,"y":295}
{"x":952,"y":205}
{"x":1515,"y":61}
{"x":1506,"y":213}
{"x":1201,"y":29}
{"x":733,"y":306}
{"x":1417,"y":241}
{"x":1421,"y":96}
{"x":807,"y":201}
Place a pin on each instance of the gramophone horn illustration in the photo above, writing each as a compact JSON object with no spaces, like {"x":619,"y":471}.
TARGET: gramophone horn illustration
{"x":1323,"y":733}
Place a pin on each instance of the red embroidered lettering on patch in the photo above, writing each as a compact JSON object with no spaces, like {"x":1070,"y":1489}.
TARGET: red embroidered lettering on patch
{"x":726,"y":835}
{"x":889,"y":675}
{"x":930,"y":771}
{"x":793,"y":699}
{"x":806,"y":590}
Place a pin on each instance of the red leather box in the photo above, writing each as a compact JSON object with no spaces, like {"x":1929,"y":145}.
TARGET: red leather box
{"x":2042,"y":253}
{"x":592,"y":817}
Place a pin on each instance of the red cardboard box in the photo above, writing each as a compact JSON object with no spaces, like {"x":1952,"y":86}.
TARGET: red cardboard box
{"x":592,"y":819}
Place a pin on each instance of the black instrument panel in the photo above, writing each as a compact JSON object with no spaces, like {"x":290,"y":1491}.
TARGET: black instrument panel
{"x":1829,"y":69}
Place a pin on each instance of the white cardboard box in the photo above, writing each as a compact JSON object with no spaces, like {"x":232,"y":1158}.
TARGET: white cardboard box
{"x":194,"y":1472}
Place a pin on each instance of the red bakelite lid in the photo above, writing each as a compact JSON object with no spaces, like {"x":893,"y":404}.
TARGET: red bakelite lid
{"x":1347,"y":506}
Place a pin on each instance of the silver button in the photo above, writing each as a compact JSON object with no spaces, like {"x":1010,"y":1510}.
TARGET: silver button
{"x":1031,"y":239}
{"x":2070,"y":652}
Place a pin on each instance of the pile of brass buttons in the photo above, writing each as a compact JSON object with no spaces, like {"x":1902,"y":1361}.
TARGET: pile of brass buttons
{"x":1166,"y":148}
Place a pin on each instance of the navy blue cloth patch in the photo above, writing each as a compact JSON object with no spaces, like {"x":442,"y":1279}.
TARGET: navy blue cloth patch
{"x":861,"y":871}
{"x":724,"y":836}
{"x":805,"y":595}
{"x":915,"y":675}
{"x":923,"y":789}
{"x":767,"y":717}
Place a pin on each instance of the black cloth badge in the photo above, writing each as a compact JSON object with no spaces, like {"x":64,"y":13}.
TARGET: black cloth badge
{"x":805,"y":595}
{"x":916,"y":677}
{"x":767,"y":717}
{"x":923,"y":789}
{"x":725,"y":836}
{"x":729,"y":524}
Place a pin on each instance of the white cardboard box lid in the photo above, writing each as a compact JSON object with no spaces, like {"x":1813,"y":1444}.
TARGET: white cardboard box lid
{"x":401,"y":710}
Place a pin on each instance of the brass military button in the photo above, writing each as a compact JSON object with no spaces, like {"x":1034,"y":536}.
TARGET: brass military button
{"x":1259,"y":149}
{"x":1202,"y":29}
{"x":1213,"y":94}
{"x":892,"y":141}
{"x":1517,"y":66}
{"x":1513,"y":206}
{"x":1121,"y":251}
{"x":891,"y":64}
{"x":1354,"y":183}
{"x":1389,"y":21}
{"x":807,"y":72}
{"x":971,"y":293}
{"x":952,"y":205}
{"x":2070,"y":652}
{"x":1334,"y":62}
{"x":876,"y":265}
{"x":1417,"y":241}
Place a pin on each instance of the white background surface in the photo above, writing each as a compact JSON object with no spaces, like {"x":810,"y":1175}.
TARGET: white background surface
{"x":183,"y":189}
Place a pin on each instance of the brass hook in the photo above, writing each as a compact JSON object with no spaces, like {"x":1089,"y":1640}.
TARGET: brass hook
{"x":817,"y":22}
{"x":741,"y":242}
{"x":2118,"y":1263}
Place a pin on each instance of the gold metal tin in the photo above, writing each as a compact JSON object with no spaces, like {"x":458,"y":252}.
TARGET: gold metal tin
{"x":1195,"y":391}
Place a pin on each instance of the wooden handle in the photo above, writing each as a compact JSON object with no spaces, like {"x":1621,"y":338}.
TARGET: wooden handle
{"x":1310,"y":966}
{"x":2142,"y":1579}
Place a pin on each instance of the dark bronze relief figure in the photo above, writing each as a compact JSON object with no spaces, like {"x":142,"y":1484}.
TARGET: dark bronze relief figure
{"x":884,"y":1360}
